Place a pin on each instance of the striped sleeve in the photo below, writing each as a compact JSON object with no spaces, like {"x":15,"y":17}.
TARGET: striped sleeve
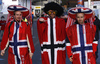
{"x":95,"y":42}
{"x":68,"y":47}
{"x":5,"y":39}
{"x":30,"y":40}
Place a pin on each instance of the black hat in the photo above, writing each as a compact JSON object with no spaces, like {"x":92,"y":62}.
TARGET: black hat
{"x":53,"y":6}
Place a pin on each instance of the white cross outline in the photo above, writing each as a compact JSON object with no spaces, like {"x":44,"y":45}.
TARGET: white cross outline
{"x":18,"y":47}
{"x":78,"y":37}
{"x":55,"y":42}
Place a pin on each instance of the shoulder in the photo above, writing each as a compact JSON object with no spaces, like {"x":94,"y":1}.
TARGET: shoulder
{"x":61,"y":20}
{"x":9,"y":23}
{"x":25,"y":23}
{"x":44,"y":17}
{"x":72,"y":27}
{"x":90,"y":26}
{"x":87,"y":23}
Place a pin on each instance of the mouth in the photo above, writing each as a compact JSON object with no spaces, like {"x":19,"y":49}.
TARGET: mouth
{"x":80,"y":20}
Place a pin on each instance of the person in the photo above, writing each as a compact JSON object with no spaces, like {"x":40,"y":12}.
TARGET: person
{"x":81,"y":49}
{"x":52,"y":34}
{"x":24,"y":19}
{"x":96,"y":22}
{"x":37,"y":13}
{"x":17,"y":35}
{"x":32,"y":15}
{"x":2,"y":26}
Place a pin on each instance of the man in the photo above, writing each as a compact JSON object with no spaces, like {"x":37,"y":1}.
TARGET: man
{"x":52,"y":34}
{"x":96,"y":22}
{"x":81,"y":49}
{"x":17,"y":36}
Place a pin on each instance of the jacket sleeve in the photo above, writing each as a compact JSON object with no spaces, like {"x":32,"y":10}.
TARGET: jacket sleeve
{"x":68,"y":44}
{"x":29,"y":39}
{"x":95,"y":41}
{"x":5,"y":39}
{"x":40,"y":28}
{"x":63,"y":29}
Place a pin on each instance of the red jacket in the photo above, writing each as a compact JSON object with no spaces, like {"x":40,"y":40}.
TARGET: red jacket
{"x":81,"y":45}
{"x":20,"y":42}
{"x":53,"y":52}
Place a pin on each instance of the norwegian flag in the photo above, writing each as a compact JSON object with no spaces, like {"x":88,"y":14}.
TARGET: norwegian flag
{"x":72,"y":15}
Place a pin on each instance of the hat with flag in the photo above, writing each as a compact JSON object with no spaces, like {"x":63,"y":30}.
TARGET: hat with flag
{"x":87,"y":12}
{"x":12,"y":8}
{"x":72,"y":15}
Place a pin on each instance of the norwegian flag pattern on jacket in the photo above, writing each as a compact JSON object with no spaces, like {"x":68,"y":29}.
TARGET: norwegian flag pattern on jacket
{"x":20,"y":42}
{"x":81,"y":45}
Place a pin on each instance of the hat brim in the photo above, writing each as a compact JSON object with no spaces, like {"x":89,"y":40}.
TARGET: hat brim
{"x":53,"y":6}
{"x":13,"y":8}
{"x":87,"y":12}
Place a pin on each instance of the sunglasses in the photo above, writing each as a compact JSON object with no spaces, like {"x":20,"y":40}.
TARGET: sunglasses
{"x":50,"y":12}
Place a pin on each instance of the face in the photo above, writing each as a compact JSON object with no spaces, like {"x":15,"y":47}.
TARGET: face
{"x":80,"y":18}
{"x":18,"y":16}
{"x":52,"y":13}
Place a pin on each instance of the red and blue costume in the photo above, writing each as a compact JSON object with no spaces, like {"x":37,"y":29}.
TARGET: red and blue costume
{"x":19,"y":41}
{"x":81,"y":45}
{"x":17,"y":36}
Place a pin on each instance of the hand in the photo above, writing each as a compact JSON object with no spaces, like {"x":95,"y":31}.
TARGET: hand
{"x":2,"y":52}
{"x":31,"y":54}
{"x":71,"y":58}
{"x":42,"y":20}
{"x":64,"y":17}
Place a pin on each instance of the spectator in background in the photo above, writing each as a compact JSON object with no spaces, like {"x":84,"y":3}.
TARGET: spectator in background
{"x":65,"y":10}
{"x":25,"y":19}
{"x":32,"y":15}
{"x":65,"y":14}
{"x":2,"y":26}
{"x":96,"y":22}
{"x":37,"y":13}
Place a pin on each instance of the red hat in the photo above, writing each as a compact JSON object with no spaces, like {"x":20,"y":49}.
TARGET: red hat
{"x":13,"y":8}
{"x":72,"y":15}
{"x":73,"y":11}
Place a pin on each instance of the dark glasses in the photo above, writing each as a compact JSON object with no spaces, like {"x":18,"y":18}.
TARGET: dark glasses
{"x":50,"y":12}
